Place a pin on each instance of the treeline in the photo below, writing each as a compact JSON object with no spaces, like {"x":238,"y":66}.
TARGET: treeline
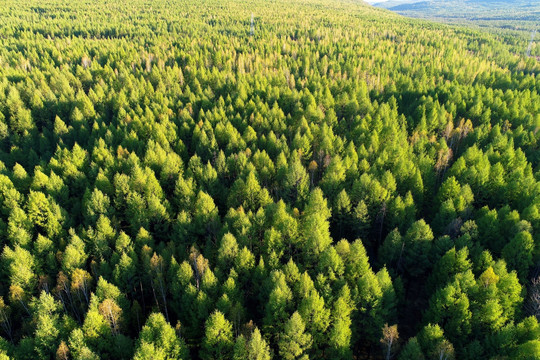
{"x":343,"y":184}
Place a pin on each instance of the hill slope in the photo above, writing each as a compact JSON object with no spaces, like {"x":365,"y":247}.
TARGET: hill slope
{"x":508,"y":19}
{"x":519,"y":10}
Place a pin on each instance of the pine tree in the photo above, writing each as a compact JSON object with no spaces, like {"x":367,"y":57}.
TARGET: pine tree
{"x":340,"y":332}
{"x":294,"y":343}
{"x":417,"y":242}
{"x":158,"y":340}
{"x":218,"y":340}
{"x":258,"y":349}
{"x":316,"y":226}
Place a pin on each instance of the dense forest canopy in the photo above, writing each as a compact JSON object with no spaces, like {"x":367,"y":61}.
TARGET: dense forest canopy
{"x":222,"y":179}
{"x":510,"y":19}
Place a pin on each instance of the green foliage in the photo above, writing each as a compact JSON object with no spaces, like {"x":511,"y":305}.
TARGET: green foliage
{"x":173,"y":185}
{"x":158,"y":340}
{"x":218,"y":340}
{"x":294,"y":342}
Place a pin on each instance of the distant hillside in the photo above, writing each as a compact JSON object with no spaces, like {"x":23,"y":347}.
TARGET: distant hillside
{"x":521,"y":10}
{"x":512,"y":20}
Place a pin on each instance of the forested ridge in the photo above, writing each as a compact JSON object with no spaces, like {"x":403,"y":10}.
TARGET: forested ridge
{"x":513,"y":20}
{"x":332,"y":182}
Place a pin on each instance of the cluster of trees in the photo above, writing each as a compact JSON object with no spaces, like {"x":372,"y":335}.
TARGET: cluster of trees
{"x":344,"y":183}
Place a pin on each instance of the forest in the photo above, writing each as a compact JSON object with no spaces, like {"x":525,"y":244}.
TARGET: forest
{"x":521,"y":12}
{"x":512,"y":20}
{"x":265,"y":179}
